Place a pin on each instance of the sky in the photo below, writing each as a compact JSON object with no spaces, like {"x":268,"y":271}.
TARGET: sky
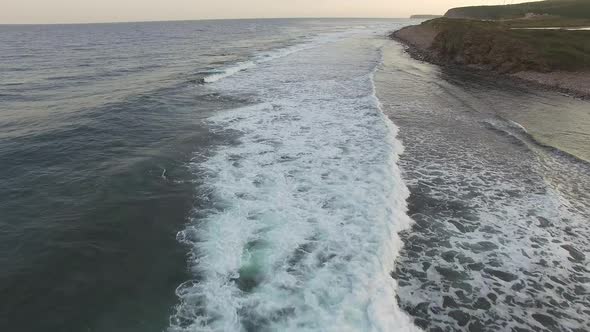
{"x":84,"y":11}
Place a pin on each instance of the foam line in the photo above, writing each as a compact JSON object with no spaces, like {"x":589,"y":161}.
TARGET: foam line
{"x":303,"y":234}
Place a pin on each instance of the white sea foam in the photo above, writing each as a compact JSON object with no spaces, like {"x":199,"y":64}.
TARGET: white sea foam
{"x":308,"y":204}
{"x":503,"y":231}
{"x":262,"y":58}
{"x":277,"y":54}
{"x":214,"y":77}
{"x":518,"y":126}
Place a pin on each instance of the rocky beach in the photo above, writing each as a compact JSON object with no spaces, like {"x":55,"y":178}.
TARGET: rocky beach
{"x":501,"y":50}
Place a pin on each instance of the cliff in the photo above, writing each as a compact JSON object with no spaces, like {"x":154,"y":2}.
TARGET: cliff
{"x":562,"y":8}
{"x":426,"y":17}
{"x":494,"y":46}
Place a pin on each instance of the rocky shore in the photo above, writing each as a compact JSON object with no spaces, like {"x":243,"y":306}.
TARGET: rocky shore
{"x":486,"y":46}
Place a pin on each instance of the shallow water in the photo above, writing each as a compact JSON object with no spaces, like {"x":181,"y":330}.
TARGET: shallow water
{"x":248,"y":176}
{"x":501,"y":234}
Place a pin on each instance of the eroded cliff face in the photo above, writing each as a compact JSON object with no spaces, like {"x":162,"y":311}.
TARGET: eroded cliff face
{"x":485,"y":47}
{"x":420,"y":36}
{"x":561,"y":8}
{"x":457,"y":13}
{"x":491,"y":46}
{"x":494,"y":51}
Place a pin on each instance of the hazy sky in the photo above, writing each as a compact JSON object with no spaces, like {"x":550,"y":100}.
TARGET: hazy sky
{"x":69,"y":11}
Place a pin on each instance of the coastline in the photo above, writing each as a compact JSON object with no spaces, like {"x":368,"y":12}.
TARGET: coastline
{"x":419,"y":39}
{"x":482,"y":193}
{"x":541,"y":126}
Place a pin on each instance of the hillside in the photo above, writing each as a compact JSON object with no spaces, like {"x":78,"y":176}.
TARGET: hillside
{"x":496,"y":46}
{"x":555,"y":57}
{"x":579,"y":9}
{"x":422,"y":16}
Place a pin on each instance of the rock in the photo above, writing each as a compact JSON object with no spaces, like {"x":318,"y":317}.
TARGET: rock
{"x":449,"y":302}
{"x":493,"y":297}
{"x":482,"y":304}
{"x":463,"y":227}
{"x":490,"y":46}
{"x":480,"y":247}
{"x":461,"y":317}
{"x":543,"y":222}
{"x":420,"y":310}
{"x":449,"y":256}
{"x":421,"y":323}
{"x":518,"y":286}
{"x":557,"y":280}
{"x":461,"y":295}
{"x":463,"y":259}
{"x":436,"y":309}
{"x":509,"y":300}
{"x":568,"y":296}
{"x":574,"y":253}
{"x":487,"y":246}
{"x":506,"y":276}
{"x":417,"y":274}
{"x":451,"y":274}
{"x":476,"y":266}
{"x":520,"y":329}
{"x":545,"y":320}
{"x":476,"y":326}
{"x":431,"y":252}
{"x":498,"y":291}
{"x":464,"y":286}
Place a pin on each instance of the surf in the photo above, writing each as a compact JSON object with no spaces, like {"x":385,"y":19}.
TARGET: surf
{"x":302,"y":230}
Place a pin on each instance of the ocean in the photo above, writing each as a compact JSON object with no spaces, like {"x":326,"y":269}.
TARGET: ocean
{"x":281,"y":175}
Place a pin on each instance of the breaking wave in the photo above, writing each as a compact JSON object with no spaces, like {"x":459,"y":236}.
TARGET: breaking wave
{"x":302,"y":229}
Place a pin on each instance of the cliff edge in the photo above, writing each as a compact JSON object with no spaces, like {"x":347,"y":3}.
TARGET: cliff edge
{"x":556,"y":58}
{"x":578,"y":9}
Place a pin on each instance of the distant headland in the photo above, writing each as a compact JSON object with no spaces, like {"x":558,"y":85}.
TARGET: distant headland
{"x":426,"y":17}
{"x":572,"y":9}
{"x":546,"y":42}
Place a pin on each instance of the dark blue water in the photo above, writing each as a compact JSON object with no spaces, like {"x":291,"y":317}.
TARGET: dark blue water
{"x":98,"y":124}
{"x":248,"y":175}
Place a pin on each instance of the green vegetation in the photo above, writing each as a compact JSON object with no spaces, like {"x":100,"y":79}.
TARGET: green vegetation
{"x":497,"y":46}
{"x":579,"y":9}
{"x":425,"y":16}
{"x":547,"y":22}
{"x":496,"y":37}
{"x":560,"y":49}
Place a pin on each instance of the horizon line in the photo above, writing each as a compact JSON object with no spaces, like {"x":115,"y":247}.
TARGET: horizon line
{"x":209,"y":19}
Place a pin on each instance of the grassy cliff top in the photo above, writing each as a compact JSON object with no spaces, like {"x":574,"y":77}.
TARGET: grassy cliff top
{"x":497,"y":44}
{"x":425,"y":16}
{"x":579,"y":9}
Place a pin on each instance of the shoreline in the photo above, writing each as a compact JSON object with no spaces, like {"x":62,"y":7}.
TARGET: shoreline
{"x":539,"y":141}
{"x":480,"y":189}
{"x":418,"y":53}
{"x":417,"y":41}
